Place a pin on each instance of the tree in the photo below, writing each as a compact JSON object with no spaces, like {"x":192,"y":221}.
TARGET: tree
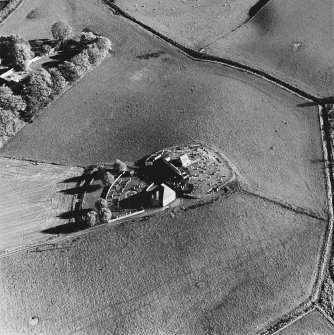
{"x":87,"y":38}
{"x":82,"y":60}
{"x":58,"y":81}
{"x":9,"y":101}
{"x":101,"y":204}
{"x":70,"y":71}
{"x":91,"y":218}
{"x":9,"y":124}
{"x":120,"y":166}
{"x":21,"y":54}
{"x":15,"y":51}
{"x":46,"y":48}
{"x":61,"y":31}
{"x":103,"y":43}
{"x":108,"y":178}
{"x":105,"y":215}
{"x":94,"y":54}
{"x":38,"y":91}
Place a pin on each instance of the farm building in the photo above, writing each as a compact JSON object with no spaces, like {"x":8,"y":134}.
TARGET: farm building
{"x":161,"y":168}
{"x":155,"y":195}
{"x":160,"y":195}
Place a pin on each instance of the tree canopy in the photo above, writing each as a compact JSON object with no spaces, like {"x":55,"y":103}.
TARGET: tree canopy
{"x":61,"y":31}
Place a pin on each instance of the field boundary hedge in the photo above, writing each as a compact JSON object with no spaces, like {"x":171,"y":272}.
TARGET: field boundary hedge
{"x":10,"y":7}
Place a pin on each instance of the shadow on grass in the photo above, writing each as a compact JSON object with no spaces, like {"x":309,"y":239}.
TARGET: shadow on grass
{"x":323,"y":101}
{"x":71,"y":227}
{"x":80,"y":190}
{"x":75,"y":179}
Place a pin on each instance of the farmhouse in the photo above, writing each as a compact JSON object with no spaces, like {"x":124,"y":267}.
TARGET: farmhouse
{"x":161,"y":168}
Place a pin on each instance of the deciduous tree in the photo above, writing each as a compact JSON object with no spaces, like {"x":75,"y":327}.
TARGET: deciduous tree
{"x":91,"y":218}
{"x":38,"y":91}
{"x":108,"y":178}
{"x":70,"y":71}
{"x":120,"y":166}
{"x":61,"y":31}
{"x":105,"y":215}
{"x":103,"y":43}
{"x":58,"y":81}
{"x":11,"y":102}
{"x":101,"y":204}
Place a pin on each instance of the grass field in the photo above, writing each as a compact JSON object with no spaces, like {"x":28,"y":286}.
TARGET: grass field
{"x":229,"y":266}
{"x":143,"y":97}
{"x":191,"y":23}
{"x":300,"y":35}
{"x":128,"y":108}
{"x":31,"y":200}
{"x":311,"y":324}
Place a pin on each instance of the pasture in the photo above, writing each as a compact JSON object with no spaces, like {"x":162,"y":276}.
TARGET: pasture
{"x":191,"y":23}
{"x":300,"y":36}
{"x":310,"y":324}
{"x":228,"y":267}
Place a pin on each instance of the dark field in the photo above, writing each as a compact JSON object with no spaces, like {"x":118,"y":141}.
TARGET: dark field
{"x":312,"y":323}
{"x":229,"y":267}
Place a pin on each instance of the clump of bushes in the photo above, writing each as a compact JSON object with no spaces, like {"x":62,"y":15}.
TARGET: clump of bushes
{"x":33,"y":14}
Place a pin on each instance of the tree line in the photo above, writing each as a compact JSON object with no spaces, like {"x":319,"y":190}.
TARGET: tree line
{"x":80,"y":53}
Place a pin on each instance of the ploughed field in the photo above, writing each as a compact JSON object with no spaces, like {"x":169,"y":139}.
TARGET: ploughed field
{"x":228,"y":267}
{"x":33,"y":198}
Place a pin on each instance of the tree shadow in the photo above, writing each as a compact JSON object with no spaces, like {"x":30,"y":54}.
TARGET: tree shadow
{"x":322,"y":102}
{"x":81,"y":189}
{"x":71,"y":227}
{"x":75,"y":179}
{"x":36,"y":44}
